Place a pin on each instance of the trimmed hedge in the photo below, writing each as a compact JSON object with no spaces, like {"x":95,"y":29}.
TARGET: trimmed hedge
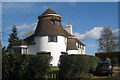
{"x":23,"y":67}
{"x":77,"y":66}
{"x":104,"y":55}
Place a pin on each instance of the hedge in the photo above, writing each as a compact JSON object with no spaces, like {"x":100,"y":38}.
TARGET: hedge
{"x":20,"y":67}
{"x":104,"y":55}
{"x":77,"y":66}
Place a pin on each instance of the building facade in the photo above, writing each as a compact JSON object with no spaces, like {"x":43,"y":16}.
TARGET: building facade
{"x":50,"y":37}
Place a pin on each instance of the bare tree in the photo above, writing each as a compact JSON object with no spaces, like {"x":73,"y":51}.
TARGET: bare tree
{"x":118,"y":40}
{"x":26,"y":34}
{"x":107,"y":41}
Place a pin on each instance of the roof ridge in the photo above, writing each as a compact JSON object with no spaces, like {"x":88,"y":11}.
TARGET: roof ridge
{"x":49,"y":11}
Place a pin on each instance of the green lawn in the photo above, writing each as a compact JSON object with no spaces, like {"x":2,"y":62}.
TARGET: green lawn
{"x":54,"y":69}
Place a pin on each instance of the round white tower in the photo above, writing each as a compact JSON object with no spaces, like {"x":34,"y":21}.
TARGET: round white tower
{"x":49,"y":36}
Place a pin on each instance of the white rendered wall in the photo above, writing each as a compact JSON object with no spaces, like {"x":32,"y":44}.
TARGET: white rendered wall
{"x":31,"y":49}
{"x":79,"y":51}
{"x":72,"y":51}
{"x":55,"y":48}
{"x":83,"y":51}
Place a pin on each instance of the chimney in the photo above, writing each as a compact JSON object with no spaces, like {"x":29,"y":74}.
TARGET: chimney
{"x":69,"y":28}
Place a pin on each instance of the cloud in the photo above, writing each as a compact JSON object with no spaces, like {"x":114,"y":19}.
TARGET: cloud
{"x":23,"y":27}
{"x":26,"y":30}
{"x":26,"y":26}
{"x":116,"y":31}
{"x":26,"y":34}
{"x":92,"y":34}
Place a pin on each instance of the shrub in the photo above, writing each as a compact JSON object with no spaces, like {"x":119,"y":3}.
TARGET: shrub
{"x":11,"y":64}
{"x":35,"y":66}
{"x":114,"y":61}
{"x":20,"y":67}
{"x":103,"y":55}
{"x":77,"y":66}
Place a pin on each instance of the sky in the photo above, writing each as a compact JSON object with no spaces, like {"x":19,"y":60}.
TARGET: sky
{"x":87,"y":19}
{"x":60,"y":0}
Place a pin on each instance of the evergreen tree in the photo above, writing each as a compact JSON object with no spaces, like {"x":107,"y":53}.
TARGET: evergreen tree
{"x":13,"y":36}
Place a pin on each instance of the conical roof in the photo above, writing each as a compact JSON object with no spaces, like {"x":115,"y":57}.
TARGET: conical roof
{"x":49,"y":11}
{"x":46,"y":25}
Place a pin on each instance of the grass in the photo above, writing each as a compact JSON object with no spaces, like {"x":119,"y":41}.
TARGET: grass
{"x":54,"y":69}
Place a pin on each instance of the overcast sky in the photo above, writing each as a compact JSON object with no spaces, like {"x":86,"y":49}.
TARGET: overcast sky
{"x":87,"y":18}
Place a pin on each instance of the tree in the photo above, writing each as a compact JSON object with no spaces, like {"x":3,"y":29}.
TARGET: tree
{"x":27,"y":34}
{"x":107,"y":41}
{"x":114,"y":61}
{"x":25,"y":67}
{"x":4,"y":50}
{"x":11,"y":64}
{"x":77,"y":66}
{"x":35,"y":66}
{"x":119,"y":42}
{"x":13,"y":36}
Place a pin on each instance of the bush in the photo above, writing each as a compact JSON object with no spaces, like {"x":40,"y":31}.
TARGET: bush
{"x":20,"y":67}
{"x":35,"y":66}
{"x":77,"y":66}
{"x":114,"y":61}
{"x":103,"y":55}
{"x":11,"y":64}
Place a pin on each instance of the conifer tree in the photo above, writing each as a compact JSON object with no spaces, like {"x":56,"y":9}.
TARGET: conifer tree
{"x":13,"y":36}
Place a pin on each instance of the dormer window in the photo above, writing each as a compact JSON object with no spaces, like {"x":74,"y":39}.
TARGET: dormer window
{"x":57,"y":23}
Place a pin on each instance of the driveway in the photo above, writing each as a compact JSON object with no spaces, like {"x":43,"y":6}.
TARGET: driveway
{"x":116,"y":75}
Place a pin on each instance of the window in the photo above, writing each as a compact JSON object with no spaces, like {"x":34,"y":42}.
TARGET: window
{"x":52,"y":38}
{"x":65,"y":40}
{"x":83,"y":47}
{"x":24,"y":50}
{"x":57,"y":23}
{"x":17,"y":50}
{"x":78,"y":45}
{"x":20,"y":50}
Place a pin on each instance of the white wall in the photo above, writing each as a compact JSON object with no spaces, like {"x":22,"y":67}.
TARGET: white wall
{"x":79,"y":51}
{"x":72,"y":51}
{"x":83,"y":51}
{"x":55,"y":48}
{"x":31,"y":49}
